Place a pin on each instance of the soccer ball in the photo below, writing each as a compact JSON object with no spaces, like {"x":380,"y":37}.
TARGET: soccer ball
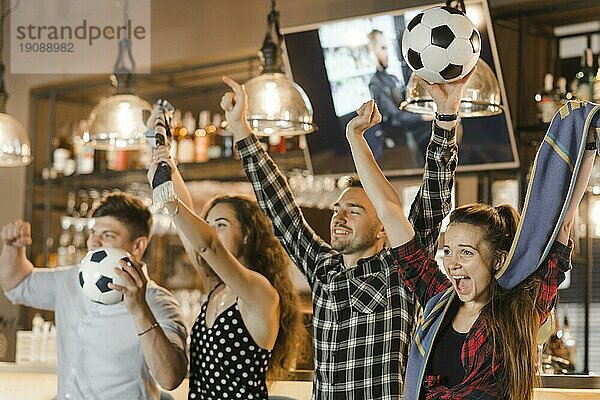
{"x":441,"y":44}
{"x":97,"y":271}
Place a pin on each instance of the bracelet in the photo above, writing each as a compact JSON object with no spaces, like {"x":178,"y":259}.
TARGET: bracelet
{"x":591,"y":146}
{"x":446,"y":117}
{"x":154,"y":325}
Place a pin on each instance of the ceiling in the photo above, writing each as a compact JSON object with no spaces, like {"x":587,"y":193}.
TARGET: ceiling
{"x":547,"y":12}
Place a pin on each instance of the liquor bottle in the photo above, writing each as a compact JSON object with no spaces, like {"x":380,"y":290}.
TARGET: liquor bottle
{"x":63,"y":149}
{"x":547,"y":101}
{"x":176,"y":131}
{"x":597,"y":84}
{"x":201,"y":137}
{"x":65,"y":248}
{"x":276,"y":144}
{"x":565,"y":334}
{"x":586,"y":76}
{"x":563,"y":95}
{"x":185,"y":146}
{"x":85,"y":154}
{"x":226,"y":135}
{"x":215,"y":140}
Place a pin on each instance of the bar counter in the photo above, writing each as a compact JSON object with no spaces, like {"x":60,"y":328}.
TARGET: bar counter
{"x":39,"y":382}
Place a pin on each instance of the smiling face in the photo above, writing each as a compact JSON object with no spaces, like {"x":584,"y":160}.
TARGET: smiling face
{"x":355,"y":228}
{"x":223,"y":218}
{"x":467,"y":261}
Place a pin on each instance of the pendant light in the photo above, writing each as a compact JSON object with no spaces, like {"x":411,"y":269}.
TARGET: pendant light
{"x":119,"y":121}
{"x":481,"y":95}
{"x":276,"y":104}
{"x":15,"y":148}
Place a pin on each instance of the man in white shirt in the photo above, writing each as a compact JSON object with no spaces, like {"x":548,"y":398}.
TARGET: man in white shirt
{"x":118,"y":351}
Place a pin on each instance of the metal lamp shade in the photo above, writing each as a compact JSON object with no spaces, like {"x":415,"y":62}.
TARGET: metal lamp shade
{"x":15,"y":149}
{"x":481,"y":95}
{"x":277,"y":105}
{"x":119,"y":121}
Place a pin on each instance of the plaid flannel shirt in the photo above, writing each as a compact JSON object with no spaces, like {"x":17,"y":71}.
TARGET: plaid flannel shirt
{"x":363,"y":316}
{"x":422,"y":275}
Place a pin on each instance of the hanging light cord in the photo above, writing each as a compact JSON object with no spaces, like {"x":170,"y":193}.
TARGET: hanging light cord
{"x":123,"y":73}
{"x":3,"y":16}
{"x":271,"y":48}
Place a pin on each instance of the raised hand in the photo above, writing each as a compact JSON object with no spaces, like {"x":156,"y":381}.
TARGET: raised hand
{"x":368,"y":116}
{"x":16,"y":234}
{"x":134,"y":287}
{"x":235,"y":105}
{"x":160,"y":154}
{"x":446,"y":95}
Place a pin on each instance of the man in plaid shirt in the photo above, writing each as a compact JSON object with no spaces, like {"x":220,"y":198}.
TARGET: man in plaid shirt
{"x":363,"y":315}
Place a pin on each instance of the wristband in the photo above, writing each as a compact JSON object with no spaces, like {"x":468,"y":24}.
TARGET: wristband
{"x":154,"y":325}
{"x":591,"y":146}
{"x":446,"y":117}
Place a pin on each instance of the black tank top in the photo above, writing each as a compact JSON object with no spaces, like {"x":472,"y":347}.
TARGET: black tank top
{"x":225,"y":362}
{"x":445,"y":365}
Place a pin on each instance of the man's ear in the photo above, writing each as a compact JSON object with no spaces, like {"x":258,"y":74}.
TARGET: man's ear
{"x":382,"y":234}
{"x":139,"y":246}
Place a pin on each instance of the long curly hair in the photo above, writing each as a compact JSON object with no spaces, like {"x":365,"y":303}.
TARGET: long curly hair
{"x":511,"y":315}
{"x":265,"y":255}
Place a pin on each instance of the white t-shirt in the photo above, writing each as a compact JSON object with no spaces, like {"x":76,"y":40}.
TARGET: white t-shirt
{"x":99,"y":351}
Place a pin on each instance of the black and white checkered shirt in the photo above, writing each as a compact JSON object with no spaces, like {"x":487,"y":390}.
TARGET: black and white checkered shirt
{"x":363,"y":316}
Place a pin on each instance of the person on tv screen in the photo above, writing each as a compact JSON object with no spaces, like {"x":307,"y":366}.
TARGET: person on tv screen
{"x":397,"y":127}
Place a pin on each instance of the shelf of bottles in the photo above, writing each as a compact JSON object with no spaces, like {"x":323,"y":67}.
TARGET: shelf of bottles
{"x":200,"y":142}
{"x":585,"y":87}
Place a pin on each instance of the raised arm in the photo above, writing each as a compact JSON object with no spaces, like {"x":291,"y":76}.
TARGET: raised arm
{"x":382,"y":194}
{"x":273,"y":193}
{"x":201,"y":243}
{"x":14,"y":264}
{"x":380,"y":191}
{"x":581,"y":185}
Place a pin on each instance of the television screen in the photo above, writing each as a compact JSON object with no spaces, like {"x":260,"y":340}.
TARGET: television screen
{"x":342,"y":64}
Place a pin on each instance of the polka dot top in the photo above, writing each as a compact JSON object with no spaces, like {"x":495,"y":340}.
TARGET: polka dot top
{"x":226,"y":363}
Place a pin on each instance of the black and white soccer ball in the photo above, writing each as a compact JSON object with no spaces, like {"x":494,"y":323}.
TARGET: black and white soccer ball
{"x":97,"y":271}
{"x":441,"y":44}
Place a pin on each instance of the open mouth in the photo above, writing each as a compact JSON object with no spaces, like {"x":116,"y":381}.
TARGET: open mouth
{"x":462,"y":283}
{"x":341,"y":232}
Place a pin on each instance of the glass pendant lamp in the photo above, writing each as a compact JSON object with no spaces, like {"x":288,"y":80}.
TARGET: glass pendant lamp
{"x":15,"y":148}
{"x":481,"y":95}
{"x":119,"y":121}
{"x":276,"y":104}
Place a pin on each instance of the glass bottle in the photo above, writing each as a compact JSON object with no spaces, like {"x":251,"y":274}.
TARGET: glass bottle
{"x":185,"y":145}
{"x":565,"y":334}
{"x":63,"y":149}
{"x":201,"y":137}
{"x":85,"y":155}
{"x":586,"y":76}
{"x":176,"y":132}
{"x":597,"y":84}
{"x":547,"y":100}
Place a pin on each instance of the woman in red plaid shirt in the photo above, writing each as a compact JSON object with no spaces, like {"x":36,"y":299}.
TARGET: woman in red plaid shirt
{"x":476,"y":340}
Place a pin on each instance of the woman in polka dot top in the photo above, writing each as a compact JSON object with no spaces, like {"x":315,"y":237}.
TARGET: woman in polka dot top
{"x":248,"y":329}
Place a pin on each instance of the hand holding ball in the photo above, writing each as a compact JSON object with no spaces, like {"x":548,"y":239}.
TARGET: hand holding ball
{"x":441,"y":45}
{"x":97,"y":271}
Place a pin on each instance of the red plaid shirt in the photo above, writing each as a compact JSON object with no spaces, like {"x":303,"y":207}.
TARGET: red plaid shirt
{"x":422,"y":275}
